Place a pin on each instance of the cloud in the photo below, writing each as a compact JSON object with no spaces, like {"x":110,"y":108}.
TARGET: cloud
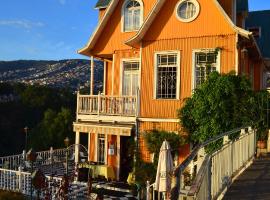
{"x":63,"y":2}
{"x":26,"y":24}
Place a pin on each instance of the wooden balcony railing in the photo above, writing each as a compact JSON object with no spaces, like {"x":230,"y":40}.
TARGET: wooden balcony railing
{"x":107,"y":105}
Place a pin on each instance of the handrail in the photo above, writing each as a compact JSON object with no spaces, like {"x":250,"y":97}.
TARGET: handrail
{"x":195,"y":151}
{"x":209,"y":180}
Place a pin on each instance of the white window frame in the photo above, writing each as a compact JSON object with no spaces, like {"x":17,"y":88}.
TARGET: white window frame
{"x":123,"y":16}
{"x":178,"y":81}
{"x":98,"y":148}
{"x":194,"y":51}
{"x":122,"y":72}
{"x":197,"y":5}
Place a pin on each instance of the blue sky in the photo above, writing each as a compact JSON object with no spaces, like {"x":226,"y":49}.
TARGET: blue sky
{"x":52,"y":29}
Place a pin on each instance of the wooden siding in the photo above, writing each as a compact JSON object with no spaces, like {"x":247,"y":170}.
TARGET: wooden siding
{"x":115,"y":74}
{"x":92,"y":149}
{"x":168,"y":126}
{"x":112,"y":159}
{"x":151,"y":107}
{"x":101,"y":13}
{"x":112,"y":37}
{"x":209,"y":22}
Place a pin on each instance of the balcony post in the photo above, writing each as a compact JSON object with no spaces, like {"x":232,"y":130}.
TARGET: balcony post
{"x":99,"y":102}
{"x":78,"y":104}
{"x":92,"y":76}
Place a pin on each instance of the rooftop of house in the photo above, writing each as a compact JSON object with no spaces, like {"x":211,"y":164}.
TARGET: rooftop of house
{"x":242,"y":5}
{"x":259,"y":21}
{"x":102,"y":3}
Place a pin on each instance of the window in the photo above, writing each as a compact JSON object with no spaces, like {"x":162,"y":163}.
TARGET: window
{"x":187,"y":10}
{"x":130,"y":77}
{"x":167,"y":76}
{"x":205,"y":63}
{"x":101,"y":149}
{"x":256,"y":31}
{"x":132,"y":15}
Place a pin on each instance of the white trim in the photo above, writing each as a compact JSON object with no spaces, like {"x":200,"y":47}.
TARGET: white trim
{"x":178,"y":81}
{"x":174,"y":120}
{"x":112,"y":92}
{"x":123,"y":15}
{"x":122,"y":60}
{"x":196,"y":4}
{"x":194,"y":51}
{"x":106,"y":118}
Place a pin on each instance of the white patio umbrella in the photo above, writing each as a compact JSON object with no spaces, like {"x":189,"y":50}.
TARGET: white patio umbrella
{"x":165,"y":168}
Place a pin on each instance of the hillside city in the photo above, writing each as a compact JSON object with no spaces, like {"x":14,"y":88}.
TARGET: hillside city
{"x":61,"y":74}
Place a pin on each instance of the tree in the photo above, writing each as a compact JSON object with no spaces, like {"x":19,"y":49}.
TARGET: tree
{"x":52,"y":130}
{"x":220,"y":104}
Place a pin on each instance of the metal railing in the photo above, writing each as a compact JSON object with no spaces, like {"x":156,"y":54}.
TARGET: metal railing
{"x":43,"y":158}
{"x":11,"y":162}
{"x":212,"y":173}
{"x":106,"y":105}
{"x":20,"y":181}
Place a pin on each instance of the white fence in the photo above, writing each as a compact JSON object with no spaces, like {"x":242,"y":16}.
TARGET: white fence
{"x":43,"y":158}
{"x":19,"y":181}
{"x":215,"y":171}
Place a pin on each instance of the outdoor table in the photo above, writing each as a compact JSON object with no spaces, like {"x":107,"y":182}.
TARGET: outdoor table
{"x":99,"y":170}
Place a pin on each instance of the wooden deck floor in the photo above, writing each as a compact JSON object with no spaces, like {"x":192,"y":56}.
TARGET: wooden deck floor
{"x":253,"y":184}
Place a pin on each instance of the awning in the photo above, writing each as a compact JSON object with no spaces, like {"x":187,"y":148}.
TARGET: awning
{"x":109,"y":129}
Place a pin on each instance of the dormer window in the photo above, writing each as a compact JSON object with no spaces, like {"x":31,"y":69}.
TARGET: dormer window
{"x":132,"y":11}
{"x":256,"y":31}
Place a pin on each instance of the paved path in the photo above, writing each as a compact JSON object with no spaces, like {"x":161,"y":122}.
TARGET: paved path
{"x":253,"y":184}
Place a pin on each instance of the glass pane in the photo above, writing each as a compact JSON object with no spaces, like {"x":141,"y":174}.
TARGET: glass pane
{"x":135,"y":84}
{"x":127,"y":84}
{"x":186,"y":10}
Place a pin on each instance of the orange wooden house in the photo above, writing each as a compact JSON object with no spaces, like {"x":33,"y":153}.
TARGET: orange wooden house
{"x":155,"y":52}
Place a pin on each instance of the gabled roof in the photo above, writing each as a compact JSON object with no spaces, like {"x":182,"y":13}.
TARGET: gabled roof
{"x":242,"y":5}
{"x":146,"y":25}
{"x":261,"y":19}
{"x":94,"y":37}
{"x":102,"y":4}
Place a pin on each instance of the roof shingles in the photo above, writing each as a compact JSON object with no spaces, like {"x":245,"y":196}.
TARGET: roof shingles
{"x":261,"y":19}
{"x":102,"y":3}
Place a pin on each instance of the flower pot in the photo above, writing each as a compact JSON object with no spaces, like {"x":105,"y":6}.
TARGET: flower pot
{"x":261,"y":144}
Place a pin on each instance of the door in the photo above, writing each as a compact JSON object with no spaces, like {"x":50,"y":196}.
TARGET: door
{"x":130,"y":78}
{"x":130,"y":85}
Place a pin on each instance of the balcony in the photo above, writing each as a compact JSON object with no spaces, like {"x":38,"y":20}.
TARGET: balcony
{"x":106,"y":108}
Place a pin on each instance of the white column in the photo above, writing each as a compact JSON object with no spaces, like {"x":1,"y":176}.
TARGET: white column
{"x":77,"y":141}
{"x":118,"y":157}
{"x":92,"y":76}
